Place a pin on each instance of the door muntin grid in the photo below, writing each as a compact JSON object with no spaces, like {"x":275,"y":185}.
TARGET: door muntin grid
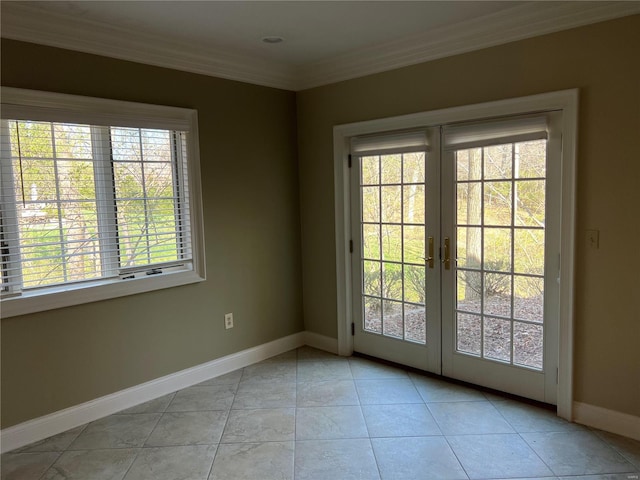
{"x":500,"y":242}
{"x":393,"y":236}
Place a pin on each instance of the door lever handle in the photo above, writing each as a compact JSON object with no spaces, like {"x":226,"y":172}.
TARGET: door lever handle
{"x":447,"y":254}
{"x":429,"y":259}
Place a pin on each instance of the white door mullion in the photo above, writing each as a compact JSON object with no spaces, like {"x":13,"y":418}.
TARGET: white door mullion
{"x":448,"y":277}
{"x":433,"y":220}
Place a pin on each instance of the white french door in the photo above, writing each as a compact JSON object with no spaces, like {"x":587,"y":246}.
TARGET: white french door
{"x":456,"y":248}
{"x":396,"y":227}
{"x":501,"y":182}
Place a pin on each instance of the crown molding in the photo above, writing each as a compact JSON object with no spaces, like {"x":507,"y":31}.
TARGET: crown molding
{"x":21,"y":21}
{"x":516,"y":23}
{"x":25,"y":22}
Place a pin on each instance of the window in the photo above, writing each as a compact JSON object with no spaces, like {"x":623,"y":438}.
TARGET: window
{"x":95,"y":194}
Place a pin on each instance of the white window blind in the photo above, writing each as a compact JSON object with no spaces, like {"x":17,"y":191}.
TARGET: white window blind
{"x":394,"y":142}
{"x":83,"y":203}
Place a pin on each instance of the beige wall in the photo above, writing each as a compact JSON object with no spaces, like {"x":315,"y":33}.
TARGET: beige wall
{"x":602,"y":61}
{"x":56,"y":359}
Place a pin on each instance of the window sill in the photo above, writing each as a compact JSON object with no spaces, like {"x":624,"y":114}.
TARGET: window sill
{"x":78,"y":294}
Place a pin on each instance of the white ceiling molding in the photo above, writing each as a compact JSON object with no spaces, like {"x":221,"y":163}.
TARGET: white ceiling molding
{"x":22,"y":21}
{"x":517,"y":23}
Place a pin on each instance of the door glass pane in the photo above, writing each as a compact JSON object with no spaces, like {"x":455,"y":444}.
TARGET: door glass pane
{"x":497,"y":294}
{"x":469,"y":251}
{"x":370,"y":204}
{"x":413,"y":168}
{"x":529,"y":202}
{"x":497,"y":249}
{"x":392,"y":318}
{"x":529,"y":251}
{"x":372,"y":315}
{"x":468,"y":333}
{"x":469,"y":203}
{"x":370,"y":170}
{"x":371,"y":241}
{"x":413,"y":204}
{"x":371,"y":278}
{"x":391,"y":168}
{"x":527,"y":344}
{"x":497,"y":203}
{"x":498,"y":161}
{"x":391,"y":204}
{"x":414,"y":284}
{"x":392,"y":243}
{"x":530,"y":159}
{"x":414,"y":246}
{"x":497,"y":339}
{"x":392,"y":281}
{"x":469,"y":164}
{"x":415,"y":323}
{"x":469,"y":291}
{"x":528,"y":298}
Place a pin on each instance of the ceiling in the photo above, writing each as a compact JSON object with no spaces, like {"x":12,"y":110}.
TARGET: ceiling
{"x":324,"y":41}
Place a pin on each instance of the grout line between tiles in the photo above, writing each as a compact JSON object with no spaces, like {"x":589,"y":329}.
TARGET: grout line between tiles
{"x":375,"y":458}
{"x":224,"y":427}
{"x":132,"y":462}
{"x":50,"y":466}
{"x":537,"y":454}
{"x":456,"y":455}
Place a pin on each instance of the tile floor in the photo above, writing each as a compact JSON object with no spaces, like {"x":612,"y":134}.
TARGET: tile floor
{"x":307,"y":414}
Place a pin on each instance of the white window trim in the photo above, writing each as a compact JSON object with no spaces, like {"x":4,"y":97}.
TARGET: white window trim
{"x":567,"y":102}
{"x":98,"y":110}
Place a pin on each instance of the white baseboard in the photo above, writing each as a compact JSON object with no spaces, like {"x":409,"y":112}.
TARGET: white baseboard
{"x":321,"y":342}
{"x":607,"y":420}
{"x":62,"y":420}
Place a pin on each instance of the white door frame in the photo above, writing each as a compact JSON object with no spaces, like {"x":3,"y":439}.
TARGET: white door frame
{"x":567,"y":102}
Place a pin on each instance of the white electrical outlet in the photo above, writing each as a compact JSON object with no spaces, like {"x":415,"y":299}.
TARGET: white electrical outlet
{"x":228,"y":320}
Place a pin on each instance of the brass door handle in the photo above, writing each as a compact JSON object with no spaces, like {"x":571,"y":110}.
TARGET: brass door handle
{"x":447,"y":254}
{"x":429,"y":259}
